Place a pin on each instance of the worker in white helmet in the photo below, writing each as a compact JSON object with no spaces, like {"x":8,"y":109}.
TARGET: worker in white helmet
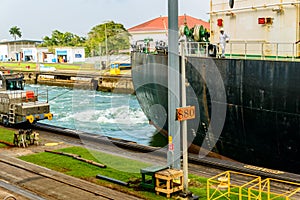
{"x":224,"y":38}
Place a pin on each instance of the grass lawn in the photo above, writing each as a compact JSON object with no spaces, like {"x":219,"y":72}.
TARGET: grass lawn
{"x":6,"y":135}
{"x":72,"y":167}
{"x":119,"y":168}
{"x":23,"y":65}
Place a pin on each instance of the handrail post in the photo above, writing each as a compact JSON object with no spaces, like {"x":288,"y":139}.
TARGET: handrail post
{"x":293,"y":52}
{"x":230,"y":50}
{"x":262,"y":51}
{"x":277,"y":51}
{"x":245,"y":49}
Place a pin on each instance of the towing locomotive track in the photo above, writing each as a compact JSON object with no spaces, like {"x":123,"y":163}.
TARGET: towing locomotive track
{"x":36,"y":182}
{"x":209,"y":166}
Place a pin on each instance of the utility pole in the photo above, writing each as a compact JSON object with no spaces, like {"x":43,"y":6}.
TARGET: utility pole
{"x":106,"y":50}
{"x":174,"y":97}
{"x":174,"y":150}
{"x":184,"y":122}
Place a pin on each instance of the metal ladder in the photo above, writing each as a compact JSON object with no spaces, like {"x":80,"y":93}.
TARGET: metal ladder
{"x":11,"y":113}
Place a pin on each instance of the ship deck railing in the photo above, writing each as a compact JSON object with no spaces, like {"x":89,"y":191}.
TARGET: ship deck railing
{"x":21,"y":96}
{"x":247,"y":50}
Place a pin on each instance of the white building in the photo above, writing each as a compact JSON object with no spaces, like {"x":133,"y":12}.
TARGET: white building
{"x":34,"y":54}
{"x":12,"y":50}
{"x":3,"y":53}
{"x":70,"y":54}
{"x":27,"y":51}
{"x":258,"y":27}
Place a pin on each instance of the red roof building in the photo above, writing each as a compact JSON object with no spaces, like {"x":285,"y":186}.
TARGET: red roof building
{"x":157,"y":29}
{"x":161,"y":23}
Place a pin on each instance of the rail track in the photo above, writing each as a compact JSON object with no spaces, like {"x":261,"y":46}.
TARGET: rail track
{"x":41,"y":183}
{"x":199,"y":165}
{"x":206,"y":167}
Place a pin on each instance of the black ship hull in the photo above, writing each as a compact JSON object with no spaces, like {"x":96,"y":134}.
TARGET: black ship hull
{"x":258,"y":101}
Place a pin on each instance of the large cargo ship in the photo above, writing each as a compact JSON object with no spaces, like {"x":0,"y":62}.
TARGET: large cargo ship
{"x":255,"y":90}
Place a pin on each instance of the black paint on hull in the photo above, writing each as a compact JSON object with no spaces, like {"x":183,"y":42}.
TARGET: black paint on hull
{"x":262,"y":121}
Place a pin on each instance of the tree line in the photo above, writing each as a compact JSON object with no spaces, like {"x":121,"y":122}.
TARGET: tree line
{"x":109,"y":37}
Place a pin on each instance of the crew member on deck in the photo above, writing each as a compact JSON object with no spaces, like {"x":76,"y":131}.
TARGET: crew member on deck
{"x":224,"y":38}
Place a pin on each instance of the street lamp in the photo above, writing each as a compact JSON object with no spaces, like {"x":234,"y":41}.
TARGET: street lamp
{"x":106,"y":50}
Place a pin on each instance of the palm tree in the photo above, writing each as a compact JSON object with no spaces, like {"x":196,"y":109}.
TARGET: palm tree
{"x":15,"y":31}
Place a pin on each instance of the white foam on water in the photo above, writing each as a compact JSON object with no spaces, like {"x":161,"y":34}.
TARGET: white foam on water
{"x":114,"y":115}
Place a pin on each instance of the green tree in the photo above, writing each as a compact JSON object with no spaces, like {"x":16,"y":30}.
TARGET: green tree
{"x":117,"y":39}
{"x":62,"y":39}
{"x":15,"y":31}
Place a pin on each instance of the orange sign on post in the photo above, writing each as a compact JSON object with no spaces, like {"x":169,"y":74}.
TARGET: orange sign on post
{"x":185,"y":113}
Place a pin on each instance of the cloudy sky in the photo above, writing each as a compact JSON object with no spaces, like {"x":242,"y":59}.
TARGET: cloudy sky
{"x":38,"y":18}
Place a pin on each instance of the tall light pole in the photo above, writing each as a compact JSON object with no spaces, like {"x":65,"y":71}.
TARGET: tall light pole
{"x":174,"y":95}
{"x":174,"y":151}
{"x":106,"y":50}
{"x":184,"y":122}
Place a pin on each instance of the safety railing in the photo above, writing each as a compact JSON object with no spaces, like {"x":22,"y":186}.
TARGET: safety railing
{"x":275,"y":189}
{"x":235,"y":185}
{"x":21,"y":96}
{"x":199,"y":49}
{"x":263,"y":50}
{"x":230,"y":184}
{"x":247,"y":50}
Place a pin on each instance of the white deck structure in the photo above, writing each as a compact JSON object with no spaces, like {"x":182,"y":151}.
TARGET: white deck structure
{"x":258,"y":27}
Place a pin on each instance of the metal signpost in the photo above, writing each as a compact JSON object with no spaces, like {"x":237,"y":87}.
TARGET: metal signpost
{"x":177,"y":114}
{"x":174,"y":152}
{"x":183,"y":114}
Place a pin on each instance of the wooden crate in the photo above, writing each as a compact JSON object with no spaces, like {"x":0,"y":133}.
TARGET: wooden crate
{"x":165,"y":183}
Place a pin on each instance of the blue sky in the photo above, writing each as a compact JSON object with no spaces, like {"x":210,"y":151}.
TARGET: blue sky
{"x":38,"y":18}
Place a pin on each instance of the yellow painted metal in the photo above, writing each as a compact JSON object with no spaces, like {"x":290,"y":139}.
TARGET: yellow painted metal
{"x":30,"y":118}
{"x":268,"y":185}
{"x":235,"y":185}
{"x":230,"y":184}
{"x":115,"y":68}
{"x":49,"y":116}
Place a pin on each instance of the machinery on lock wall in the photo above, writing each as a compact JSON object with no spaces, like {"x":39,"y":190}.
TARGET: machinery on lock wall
{"x":19,"y":106}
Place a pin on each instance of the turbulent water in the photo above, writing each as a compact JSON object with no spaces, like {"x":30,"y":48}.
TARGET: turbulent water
{"x":109,"y":114}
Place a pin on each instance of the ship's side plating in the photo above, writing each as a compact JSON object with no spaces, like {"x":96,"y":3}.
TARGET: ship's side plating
{"x":263,"y":106}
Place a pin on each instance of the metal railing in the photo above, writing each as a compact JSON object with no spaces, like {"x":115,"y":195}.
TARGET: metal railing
{"x":230,"y":184}
{"x":196,"y":49}
{"x":21,"y":96}
{"x":236,"y":185}
{"x":272,"y":189}
{"x":247,"y":50}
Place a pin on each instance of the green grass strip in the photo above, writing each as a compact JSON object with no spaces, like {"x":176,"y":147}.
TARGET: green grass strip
{"x":6,"y":135}
{"x":32,"y":66}
{"x":116,"y":166}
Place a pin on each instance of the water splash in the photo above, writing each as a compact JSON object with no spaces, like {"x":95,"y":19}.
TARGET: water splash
{"x":109,"y":114}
